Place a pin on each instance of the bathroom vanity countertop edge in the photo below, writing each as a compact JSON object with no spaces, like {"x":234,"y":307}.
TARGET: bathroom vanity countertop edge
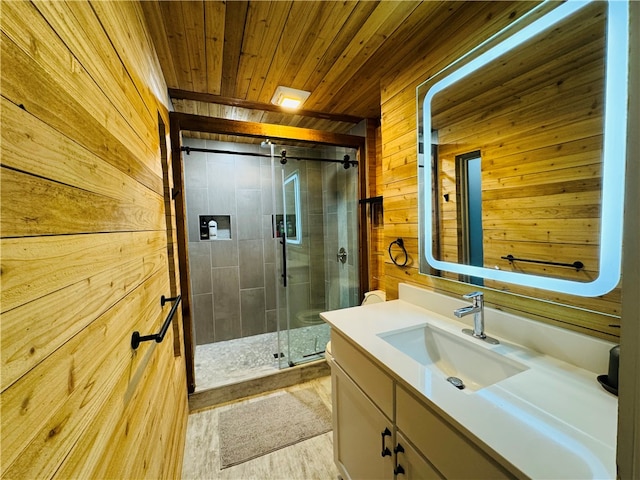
{"x":551,"y":421}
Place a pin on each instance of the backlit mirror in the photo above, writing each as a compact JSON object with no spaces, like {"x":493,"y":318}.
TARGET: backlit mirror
{"x":292,"y":208}
{"x":522,"y":154}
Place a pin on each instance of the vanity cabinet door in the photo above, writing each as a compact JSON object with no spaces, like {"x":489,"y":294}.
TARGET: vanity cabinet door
{"x":361,"y":433}
{"x":367,"y":375}
{"x":410,"y":465}
{"x":454,"y":455}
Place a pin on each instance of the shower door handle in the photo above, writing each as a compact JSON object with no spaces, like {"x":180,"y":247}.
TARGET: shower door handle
{"x":342,"y":255}
{"x":284,"y":259}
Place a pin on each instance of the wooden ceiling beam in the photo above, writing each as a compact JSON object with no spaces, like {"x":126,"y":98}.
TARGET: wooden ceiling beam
{"x":268,"y":107}
{"x":198,"y":123}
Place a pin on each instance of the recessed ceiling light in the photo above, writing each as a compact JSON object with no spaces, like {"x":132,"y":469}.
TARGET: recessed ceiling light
{"x":290,"y":98}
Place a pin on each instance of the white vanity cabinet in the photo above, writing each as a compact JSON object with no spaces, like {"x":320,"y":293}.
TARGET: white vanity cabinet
{"x":372,"y":412}
{"x":363,"y":426}
{"x":363,"y":432}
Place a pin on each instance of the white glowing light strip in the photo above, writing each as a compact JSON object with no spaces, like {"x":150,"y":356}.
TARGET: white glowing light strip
{"x":613,"y":159}
{"x":296,"y":189}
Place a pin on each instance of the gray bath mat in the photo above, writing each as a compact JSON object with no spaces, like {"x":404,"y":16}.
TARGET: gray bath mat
{"x":256,"y":428}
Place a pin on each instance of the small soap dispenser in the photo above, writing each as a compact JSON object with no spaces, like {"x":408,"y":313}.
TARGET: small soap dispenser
{"x":213,"y":230}
{"x":610,"y":381}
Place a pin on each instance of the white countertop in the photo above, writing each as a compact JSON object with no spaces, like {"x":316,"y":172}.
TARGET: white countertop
{"x":553,"y":420}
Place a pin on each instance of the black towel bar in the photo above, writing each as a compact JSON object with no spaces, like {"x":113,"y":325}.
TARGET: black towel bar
{"x":137,"y":339}
{"x":577,"y":265}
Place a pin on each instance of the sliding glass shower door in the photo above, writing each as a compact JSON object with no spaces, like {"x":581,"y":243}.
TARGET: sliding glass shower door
{"x":316,"y":232}
{"x":252,"y":219}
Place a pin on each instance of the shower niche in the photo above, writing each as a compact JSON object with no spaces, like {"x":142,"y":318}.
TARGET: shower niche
{"x":215,"y":227}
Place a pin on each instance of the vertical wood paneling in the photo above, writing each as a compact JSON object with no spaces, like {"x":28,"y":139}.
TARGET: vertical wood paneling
{"x":194,"y":28}
{"x":300,"y":29}
{"x":214,"y":14}
{"x":399,"y":172}
{"x":260,"y":29}
{"x":235,"y":17}
{"x":156,"y":27}
{"x":87,"y":244}
{"x":379,"y":25}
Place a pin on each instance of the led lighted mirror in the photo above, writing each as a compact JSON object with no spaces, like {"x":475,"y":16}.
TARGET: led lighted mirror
{"x":526,"y":136}
{"x":292,"y":217}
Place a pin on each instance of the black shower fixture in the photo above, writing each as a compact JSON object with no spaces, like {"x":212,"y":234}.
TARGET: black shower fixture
{"x":346,"y":164}
{"x":283,"y":157}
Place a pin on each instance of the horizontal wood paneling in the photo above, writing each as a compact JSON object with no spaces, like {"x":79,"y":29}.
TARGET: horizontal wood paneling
{"x":517,"y":200}
{"x":37,"y":266}
{"x":561,"y":99}
{"x":49,"y":52}
{"x":87,"y":248}
{"x":26,"y":340}
{"x":59,"y":107}
{"x":80,"y":376}
{"x":25,"y":136}
{"x":69,"y":210}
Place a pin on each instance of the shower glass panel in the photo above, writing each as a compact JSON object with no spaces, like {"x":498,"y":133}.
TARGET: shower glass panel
{"x":318,"y":267}
{"x":246,"y":323}
{"x":232,"y":270}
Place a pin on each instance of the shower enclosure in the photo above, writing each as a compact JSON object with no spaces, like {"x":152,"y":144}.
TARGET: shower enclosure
{"x":273,"y":242}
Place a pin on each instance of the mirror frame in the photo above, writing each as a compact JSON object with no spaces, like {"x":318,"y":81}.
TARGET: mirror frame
{"x":293,"y":178}
{"x":613,"y":156}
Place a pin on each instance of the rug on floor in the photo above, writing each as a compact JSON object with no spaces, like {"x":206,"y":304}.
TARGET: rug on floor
{"x":253,"y":429}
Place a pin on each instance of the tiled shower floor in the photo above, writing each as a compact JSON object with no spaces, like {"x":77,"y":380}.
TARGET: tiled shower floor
{"x":233,"y":361}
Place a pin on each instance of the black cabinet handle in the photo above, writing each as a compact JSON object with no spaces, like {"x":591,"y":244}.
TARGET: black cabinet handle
{"x":385,"y":450}
{"x":399,"y":470}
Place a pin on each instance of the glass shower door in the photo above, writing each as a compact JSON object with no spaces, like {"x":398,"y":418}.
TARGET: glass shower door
{"x":317,"y":233}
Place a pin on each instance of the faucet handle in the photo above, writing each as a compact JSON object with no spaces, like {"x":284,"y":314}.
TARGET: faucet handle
{"x":471,"y":295}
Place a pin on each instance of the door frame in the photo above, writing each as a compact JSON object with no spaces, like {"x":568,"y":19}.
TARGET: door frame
{"x":196,"y":123}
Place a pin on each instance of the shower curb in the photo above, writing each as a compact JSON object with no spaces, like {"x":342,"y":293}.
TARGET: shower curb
{"x":287,"y":377}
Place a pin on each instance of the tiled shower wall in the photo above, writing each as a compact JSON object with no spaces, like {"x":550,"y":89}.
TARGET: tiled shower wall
{"x":234,"y":281}
{"x":306,"y":262}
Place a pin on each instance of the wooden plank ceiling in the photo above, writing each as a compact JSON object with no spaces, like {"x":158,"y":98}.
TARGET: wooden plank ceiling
{"x":237,"y":52}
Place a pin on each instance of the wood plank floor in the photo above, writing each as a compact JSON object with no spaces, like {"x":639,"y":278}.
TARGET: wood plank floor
{"x":311,"y":459}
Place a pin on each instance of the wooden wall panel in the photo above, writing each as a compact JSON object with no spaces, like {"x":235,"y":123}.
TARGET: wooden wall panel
{"x":569,"y":205}
{"x":87,"y":248}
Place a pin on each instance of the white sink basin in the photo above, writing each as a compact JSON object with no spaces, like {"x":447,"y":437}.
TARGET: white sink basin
{"x":453,"y":356}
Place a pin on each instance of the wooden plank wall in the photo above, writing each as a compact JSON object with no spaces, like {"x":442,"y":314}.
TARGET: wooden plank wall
{"x":400,"y":181}
{"x":87,"y":247}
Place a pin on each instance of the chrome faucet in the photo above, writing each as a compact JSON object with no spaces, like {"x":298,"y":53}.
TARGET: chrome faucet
{"x":477,"y":308}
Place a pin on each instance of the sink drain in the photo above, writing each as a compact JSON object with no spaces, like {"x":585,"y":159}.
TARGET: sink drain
{"x":456,"y":382}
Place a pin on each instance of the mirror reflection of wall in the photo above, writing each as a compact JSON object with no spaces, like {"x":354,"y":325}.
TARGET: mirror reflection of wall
{"x":535,"y":117}
{"x":540,"y":132}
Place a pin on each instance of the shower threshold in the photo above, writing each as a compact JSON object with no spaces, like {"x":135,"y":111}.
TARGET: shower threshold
{"x":238,"y":360}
